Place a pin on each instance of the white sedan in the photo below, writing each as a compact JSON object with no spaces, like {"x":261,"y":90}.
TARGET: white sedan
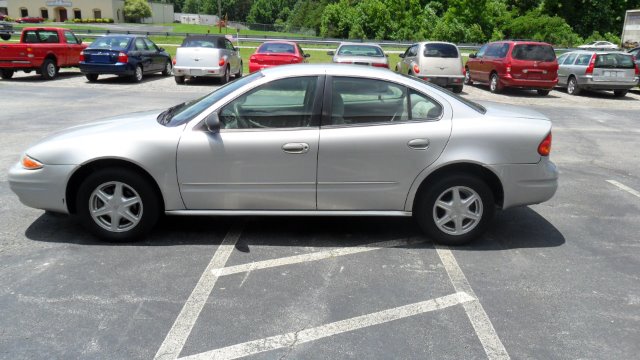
{"x":599,"y":45}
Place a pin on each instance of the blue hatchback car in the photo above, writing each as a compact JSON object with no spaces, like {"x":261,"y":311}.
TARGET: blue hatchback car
{"x":124,"y":55}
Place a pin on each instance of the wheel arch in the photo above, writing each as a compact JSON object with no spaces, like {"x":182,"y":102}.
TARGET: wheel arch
{"x":87,"y":169}
{"x":468,"y":168}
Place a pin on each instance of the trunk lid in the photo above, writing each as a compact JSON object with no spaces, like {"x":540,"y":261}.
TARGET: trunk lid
{"x":100,"y":56}
{"x":197,"y":57}
{"x":275,"y":59}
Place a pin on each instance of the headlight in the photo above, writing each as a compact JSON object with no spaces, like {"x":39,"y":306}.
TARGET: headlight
{"x":29,"y":163}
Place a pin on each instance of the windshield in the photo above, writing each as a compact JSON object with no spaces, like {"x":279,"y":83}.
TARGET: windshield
{"x":182,"y":113}
{"x":440,"y":50}
{"x":267,"y":48}
{"x":618,"y":61}
{"x":474,"y":105}
{"x":360,"y":50}
{"x":533,"y":52}
{"x":111,"y":43}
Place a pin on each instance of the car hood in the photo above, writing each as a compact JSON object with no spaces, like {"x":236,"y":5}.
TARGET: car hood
{"x":511,"y":111}
{"x":113,"y":137}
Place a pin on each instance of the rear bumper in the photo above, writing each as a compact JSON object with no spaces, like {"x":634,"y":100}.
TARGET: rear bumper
{"x":525,"y":184}
{"x":116,"y":69}
{"x":444,"y":80}
{"x":253,"y":67}
{"x":217,"y":71}
{"x":587,"y":82}
{"x":508,"y":81}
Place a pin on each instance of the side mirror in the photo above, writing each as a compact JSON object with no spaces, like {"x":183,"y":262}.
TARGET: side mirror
{"x":331,"y":52}
{"x":473,"y":56}
{"x":235,"y":49}
{"x":386,"y":55}
{"x":307,"y":55}
{"x":212,"y":123}
{"x":401,"y":56}
{"x":161,"y":49}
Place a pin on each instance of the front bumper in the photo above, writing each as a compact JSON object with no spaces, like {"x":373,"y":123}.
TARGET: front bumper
{"x":44,"y":188}
{"x":198,"y":71}
{"x":525,"y":184}
{"x":116,"y":69}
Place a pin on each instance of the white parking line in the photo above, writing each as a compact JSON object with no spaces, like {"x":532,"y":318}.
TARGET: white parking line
{"x":315,"y":256}
{"x":306,"y":335}
{"x":625,"y":188}
{"x":482,"y":325}
{"x":177,"y":336}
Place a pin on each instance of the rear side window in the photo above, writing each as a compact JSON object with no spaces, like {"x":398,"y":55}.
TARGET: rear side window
{"x":71,"y":39}
{"x":276,"y":48}
{"x":498,"y":50}
{"x":111,"y":43}
{"x":583,"y":59}
{"x":440,"y":50}
{"x":533,"y":52}
{"x":618,"y":61}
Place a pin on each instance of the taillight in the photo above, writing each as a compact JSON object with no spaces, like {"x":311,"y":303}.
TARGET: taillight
{"x":296,"y":60}
{"x":380,"y":65}
{"x":81,"y":55}
{"x":592,"y":64}
{"x":416,"y":69}
{"x":544,"y":148}
{"x":636,"y":64}
{"x":252,"y":58}
{"x":123,"y":58}
{"x":173,"y":61}
{"x":221,"y":62}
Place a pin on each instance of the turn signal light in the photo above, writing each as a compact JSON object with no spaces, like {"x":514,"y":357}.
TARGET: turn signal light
{"x":30,"y":164}
{"x":221,"y":62}
{"x":416,"y":69}
{"x":544,"y":148}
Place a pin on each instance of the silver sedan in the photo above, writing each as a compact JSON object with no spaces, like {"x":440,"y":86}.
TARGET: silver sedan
{"x":332,"y":140}
{"x":360,"y":54}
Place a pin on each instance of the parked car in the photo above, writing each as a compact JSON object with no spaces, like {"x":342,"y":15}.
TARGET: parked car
{"x":6,"y":30}
{"x":517,"y":64}
{"x":360,"y":54}
{"x":124,"y":55}
{"x":43,"y":49}
{"x":597,"y":70}
{"x":273,"y":53}
{"x":207,"y":56}
{"x":436,"y":62}
{"x":599,"y":45}
{"x":30,"y":19}
{"x":319,"y":140}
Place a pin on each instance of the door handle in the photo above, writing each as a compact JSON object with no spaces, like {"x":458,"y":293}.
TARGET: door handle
{"x":295,"y":148}
{"x":418,"y":144}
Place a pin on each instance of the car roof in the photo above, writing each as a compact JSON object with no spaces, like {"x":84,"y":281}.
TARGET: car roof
{"x":359,"y":43}
{"x":332,"y":69}
{"x":196,"y":37}
{"x":435,"y":42}
{"x":280,"y":42}
{"x":599,"y":52}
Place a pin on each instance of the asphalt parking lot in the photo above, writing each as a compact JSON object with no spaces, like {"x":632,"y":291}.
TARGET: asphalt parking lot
{"x":555,"y":280}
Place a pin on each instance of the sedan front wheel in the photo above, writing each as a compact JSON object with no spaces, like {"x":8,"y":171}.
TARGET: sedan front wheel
{"x":117,"y":204}
{"x":456,"y":209}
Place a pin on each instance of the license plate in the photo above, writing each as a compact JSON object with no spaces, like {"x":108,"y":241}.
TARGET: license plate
{"x":195,"y":72}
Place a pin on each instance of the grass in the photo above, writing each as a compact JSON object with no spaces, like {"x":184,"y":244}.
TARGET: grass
{"x":209,"y":29}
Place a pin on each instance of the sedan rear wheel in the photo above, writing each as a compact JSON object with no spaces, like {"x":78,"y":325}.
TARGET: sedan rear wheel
{"x":137,"y":75}
{"x":117,"y":205}
{"x":457,"y":209}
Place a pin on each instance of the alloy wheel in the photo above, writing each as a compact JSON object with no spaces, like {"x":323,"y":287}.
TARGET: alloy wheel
{"x":115,"y":206}
{"x":457,"y":210}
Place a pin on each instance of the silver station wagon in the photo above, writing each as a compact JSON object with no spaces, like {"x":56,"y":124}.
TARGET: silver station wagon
{"x":597,"y":70}
{"x":338,"y":140}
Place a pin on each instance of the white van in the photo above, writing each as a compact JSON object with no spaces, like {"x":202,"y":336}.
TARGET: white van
{"x":436,"y":62}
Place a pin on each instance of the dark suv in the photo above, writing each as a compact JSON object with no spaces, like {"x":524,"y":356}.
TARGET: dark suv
{"x":519,"y":64}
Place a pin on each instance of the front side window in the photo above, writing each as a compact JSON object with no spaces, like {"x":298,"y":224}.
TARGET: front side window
{"x":284,"y":103}
{"x":482,"y":51}
{"x":150,"y":45}
{"x":569,"y":60}
{"x":71,"y":39}
{"x":561,"y":58}
{"x":413,"y":50}
{"x":229,"y":45}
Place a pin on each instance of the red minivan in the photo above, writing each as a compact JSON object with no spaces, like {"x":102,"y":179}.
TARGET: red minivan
{"x":518,"y":64}
{"x":273,"y":53}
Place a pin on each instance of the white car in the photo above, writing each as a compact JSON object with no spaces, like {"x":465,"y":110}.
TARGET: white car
{"x":598,"y":45}
{"x":207,"y":56}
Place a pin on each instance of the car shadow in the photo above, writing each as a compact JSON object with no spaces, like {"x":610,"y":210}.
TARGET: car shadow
{"x":601,"y":94}
{"x":32,"y":77}
{"x":126,"y":80}
{"x":512,"y":229}
{"x":515,"y":92}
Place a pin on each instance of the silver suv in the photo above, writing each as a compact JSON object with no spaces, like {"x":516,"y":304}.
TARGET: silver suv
{"x":436,"y":62}
{"x":597,"y":70}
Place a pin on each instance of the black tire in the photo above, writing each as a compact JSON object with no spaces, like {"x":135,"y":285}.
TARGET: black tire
{"x":238,"y":75}
{"x":92,"y":77}
{"x":133,"y":186}
{"x":467,"y":77}
{"x":137,"y":75}
{"x":457,"y":89}
{"x":542,"y":92}
{"x":179,"y":80}
{"x":168,"y":68}
{"x":494,"y":84}
{"x":572,"y":86}
{"x":6,"y":73}
{"x":225,"y":77}
{"x":620,"y":93}
{"x":5,"y":36}
{"x":427,"y":209}
{"x":49,"y":70}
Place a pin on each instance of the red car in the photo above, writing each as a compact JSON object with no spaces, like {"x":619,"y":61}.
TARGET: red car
{"x":518,"y":64}
{"x":30,"y":19}
{"x":273,"y":53}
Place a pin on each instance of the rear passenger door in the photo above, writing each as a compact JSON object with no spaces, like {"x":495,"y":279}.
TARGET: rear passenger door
{"x":376,"y":137}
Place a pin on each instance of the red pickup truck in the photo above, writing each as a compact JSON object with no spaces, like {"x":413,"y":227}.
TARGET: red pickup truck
{"x":42,"y":49}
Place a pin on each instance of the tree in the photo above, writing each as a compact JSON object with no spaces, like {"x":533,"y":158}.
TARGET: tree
{"x":136,"y":10}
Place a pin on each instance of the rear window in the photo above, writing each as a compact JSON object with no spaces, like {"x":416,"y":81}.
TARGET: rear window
{"x":41,"y":36}
{"x":206,"y":43}
{"x":533,"y":52}
{"x":618,"y":61}
{"x":360,"y":50}
{"x":277,"y":48}
{"x":440,"y":50}
{"x":111,"y":43}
